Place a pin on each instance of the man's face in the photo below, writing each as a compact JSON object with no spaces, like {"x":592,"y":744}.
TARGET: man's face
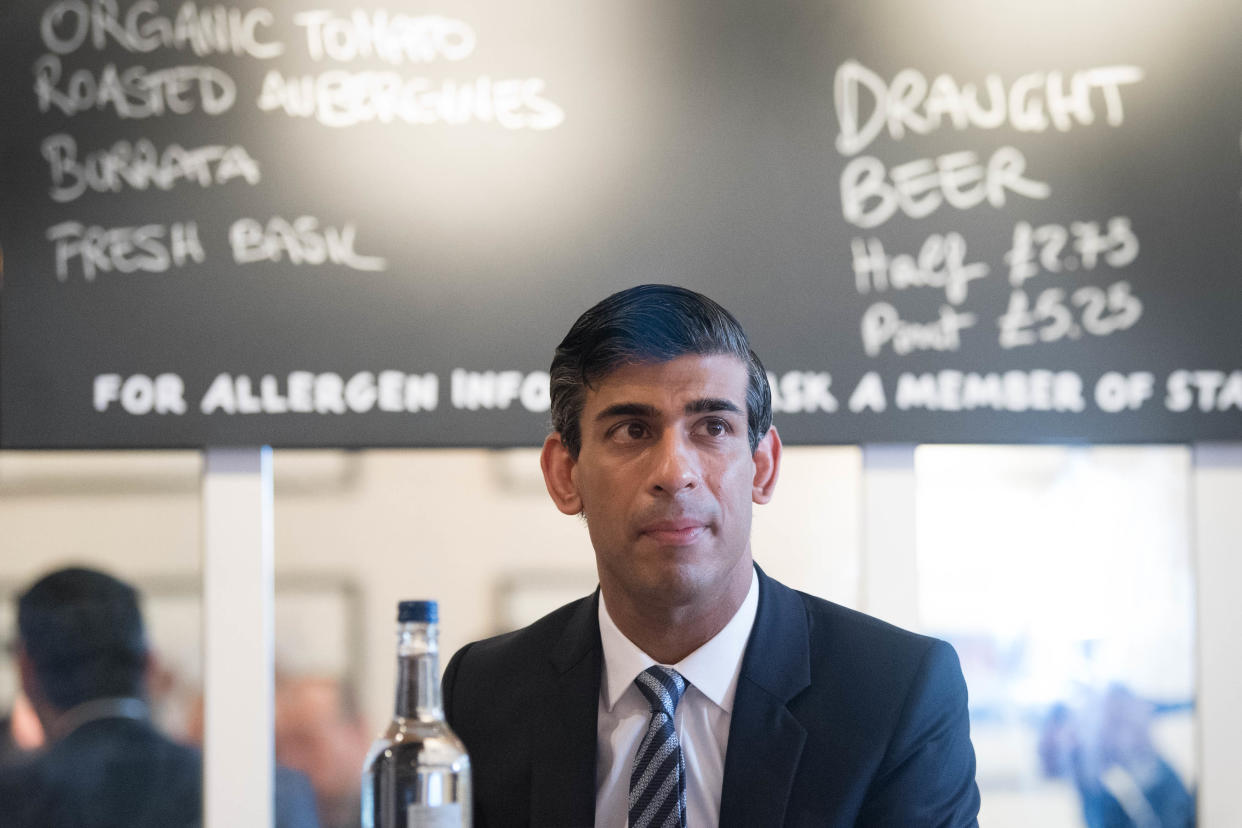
{"x":665,"y":478}
{"x":314,"y":734}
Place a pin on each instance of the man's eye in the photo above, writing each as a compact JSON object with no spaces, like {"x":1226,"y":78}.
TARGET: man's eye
{"x":715,"y":428}
{"x":627,"y":432}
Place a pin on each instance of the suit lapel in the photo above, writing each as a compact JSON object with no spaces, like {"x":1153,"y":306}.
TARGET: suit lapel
{"x":765,"y":740}
{"x":563,"y":767}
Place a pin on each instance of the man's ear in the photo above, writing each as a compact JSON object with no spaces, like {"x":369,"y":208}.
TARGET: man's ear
{"x":767,"y":467}
{"x":26,"y":674}
{"x":158,"y":680}
{"x":558,"y":474}
{"x":32,"y":688}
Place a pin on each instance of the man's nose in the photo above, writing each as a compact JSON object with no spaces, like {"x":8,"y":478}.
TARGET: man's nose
{"x":675,"y":465}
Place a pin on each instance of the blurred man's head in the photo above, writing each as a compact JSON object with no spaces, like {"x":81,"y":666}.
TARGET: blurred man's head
{"x":81,"y":638}
{"x":320,"y":732}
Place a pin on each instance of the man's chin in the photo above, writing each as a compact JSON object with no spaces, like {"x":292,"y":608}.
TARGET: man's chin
{"x":680,"y":584}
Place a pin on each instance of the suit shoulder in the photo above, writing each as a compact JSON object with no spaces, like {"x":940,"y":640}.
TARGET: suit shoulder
{"x":878,"y":655}
{"x":850,"y":626}
{"x":525,"y":663}
{"x":538,"y":637}
{"x":895,"y":702}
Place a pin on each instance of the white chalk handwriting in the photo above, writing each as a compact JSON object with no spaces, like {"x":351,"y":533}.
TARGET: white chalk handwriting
{"x":150,"y":248}
{"x":139,"y":165}
{"x":394,"y":39}
{"x":69,"y":25}
{"x":883,"y":326}
{"x":133,"y":92}
{"x":302,"y":241}
{"x":872,"y":194}
{"x":941,"y":263}
{"x":1093,"y":310}
{"x":1056,"y":248}
{"x":343,"y":99}
{"x":1033,"y":102}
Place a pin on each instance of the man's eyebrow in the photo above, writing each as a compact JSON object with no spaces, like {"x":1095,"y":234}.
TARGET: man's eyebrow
{"x":712,"y":404}
{"x":627,"y":410}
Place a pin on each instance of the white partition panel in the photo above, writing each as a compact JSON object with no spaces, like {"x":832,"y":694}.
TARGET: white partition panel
{"x":889,"y":579}
{"x":1218,"y":544}
{"x":237,"y":633}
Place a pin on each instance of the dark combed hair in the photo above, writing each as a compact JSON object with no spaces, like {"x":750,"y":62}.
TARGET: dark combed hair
{"x":646,"y":324}
{"x":83,"y":632}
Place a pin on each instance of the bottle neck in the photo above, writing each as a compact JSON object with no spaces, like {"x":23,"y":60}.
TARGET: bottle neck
{"x":418,"y":672}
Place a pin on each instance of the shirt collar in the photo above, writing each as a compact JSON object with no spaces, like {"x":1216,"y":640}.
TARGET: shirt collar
{"x":713,"y":668}
{"x":121,"y":707}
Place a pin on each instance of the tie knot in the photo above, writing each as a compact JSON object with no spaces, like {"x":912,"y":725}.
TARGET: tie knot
{"x":663,"y":688}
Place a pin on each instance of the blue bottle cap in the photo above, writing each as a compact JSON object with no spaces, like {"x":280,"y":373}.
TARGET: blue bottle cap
{"x":419,"y":612}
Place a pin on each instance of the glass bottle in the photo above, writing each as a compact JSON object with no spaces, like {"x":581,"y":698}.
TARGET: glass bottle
{"x":417,"y":773}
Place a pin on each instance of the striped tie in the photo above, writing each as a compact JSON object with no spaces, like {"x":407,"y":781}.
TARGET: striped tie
{"x":658,"y":784}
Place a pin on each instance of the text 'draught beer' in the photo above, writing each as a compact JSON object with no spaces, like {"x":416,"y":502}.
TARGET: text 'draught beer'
{"x":417,"y":774}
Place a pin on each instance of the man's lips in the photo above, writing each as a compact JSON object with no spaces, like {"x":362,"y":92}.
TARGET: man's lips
{"x":674,"y":532}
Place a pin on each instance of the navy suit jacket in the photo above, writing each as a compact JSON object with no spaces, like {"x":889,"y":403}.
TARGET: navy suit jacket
{"x":839,"y":720}
{"x":122,"y":773}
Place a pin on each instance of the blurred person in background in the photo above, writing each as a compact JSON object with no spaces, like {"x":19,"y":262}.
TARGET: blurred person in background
{"x":320,"y":732}
{"x":84,"y":663}
{"x":1137,"y":787}
{"x":1105,"y":748}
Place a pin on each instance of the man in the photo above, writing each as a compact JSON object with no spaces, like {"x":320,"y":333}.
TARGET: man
{"x":83,"y":659}
{"x":320,"y":732}
{"x":692,"y":689}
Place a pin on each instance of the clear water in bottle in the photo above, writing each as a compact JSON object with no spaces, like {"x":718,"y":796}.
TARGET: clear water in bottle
{"x":417,"y":774}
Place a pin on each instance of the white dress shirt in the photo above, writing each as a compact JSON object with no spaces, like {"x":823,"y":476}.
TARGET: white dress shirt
{"x":702,"y":719}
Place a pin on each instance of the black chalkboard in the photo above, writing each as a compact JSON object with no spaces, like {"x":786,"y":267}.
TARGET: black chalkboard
{"x":347,"y":224}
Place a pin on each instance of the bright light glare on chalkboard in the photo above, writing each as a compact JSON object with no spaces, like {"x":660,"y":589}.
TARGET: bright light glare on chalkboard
{"x":1063,"y":578}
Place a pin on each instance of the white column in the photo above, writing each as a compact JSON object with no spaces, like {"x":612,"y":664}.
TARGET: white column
{"x":237,"y":638}
{"x":1218,"y":552}
{"x":888,"y":580}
